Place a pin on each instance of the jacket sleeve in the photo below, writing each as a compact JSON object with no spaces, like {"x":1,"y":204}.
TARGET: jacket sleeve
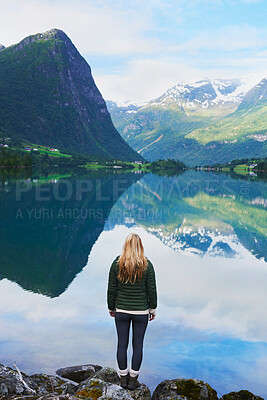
{"x":112,"y":286}
{"x":151,"y":287}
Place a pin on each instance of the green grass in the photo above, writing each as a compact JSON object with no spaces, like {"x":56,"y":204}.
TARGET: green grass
{"x":236,"y":126}
{"x":121,"y":164}
{"x":41,"y":150}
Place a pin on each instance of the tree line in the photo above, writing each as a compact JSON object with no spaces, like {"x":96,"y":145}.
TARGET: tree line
{"x":13,"y":159}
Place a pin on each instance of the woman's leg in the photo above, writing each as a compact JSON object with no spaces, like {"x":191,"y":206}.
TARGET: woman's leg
{"x":122,"y":321}
{"x":139,"y":328}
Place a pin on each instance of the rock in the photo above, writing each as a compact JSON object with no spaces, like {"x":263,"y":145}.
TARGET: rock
{"x":103,"y":384}
{"x":45,"y":384}
{"x":241,"y":395}
{"x":10,"y":383}
{"x":42,"y":384}
{"x":178,"y":389}
{"x":100,"y":390}
{"x":46,"y":397}
{"x":78,"y":373}
{"x":140,"y":393}
{"x":107,"y":374}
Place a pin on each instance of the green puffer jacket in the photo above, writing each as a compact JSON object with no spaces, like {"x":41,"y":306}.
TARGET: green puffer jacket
{"x":136,"y":296}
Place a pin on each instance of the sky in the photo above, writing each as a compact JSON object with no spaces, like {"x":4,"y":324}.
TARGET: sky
{"x":138,"y":49}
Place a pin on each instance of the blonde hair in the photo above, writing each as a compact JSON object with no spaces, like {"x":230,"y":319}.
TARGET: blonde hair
{"x":132,"y":261}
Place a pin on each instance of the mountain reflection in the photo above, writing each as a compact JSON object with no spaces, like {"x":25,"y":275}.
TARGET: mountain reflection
{"x":198,"y":212}
{"x":48,"y":226}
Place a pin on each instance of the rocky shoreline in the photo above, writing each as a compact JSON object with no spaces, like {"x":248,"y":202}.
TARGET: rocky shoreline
{"x":93,"y":382}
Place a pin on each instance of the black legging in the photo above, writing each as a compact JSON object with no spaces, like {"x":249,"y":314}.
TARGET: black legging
{"x":139,"y":324}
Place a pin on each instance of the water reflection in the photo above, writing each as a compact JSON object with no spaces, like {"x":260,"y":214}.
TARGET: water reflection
{"x":206,"y":236}
{"x":49,"y":225}
{"x":198,"y":212}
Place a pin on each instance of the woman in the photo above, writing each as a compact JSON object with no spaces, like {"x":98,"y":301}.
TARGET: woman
{"x":132,"y":297}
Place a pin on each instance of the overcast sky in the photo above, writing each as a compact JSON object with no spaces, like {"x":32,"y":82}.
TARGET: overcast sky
{"x":138,"y":49}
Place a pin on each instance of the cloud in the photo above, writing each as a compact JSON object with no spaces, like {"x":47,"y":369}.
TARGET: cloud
{"x":228,"y":38}
{"x":91,"y":28}
{"x":147,"y":79}
{"x":158,"y":43}
{"x":143,"y":80}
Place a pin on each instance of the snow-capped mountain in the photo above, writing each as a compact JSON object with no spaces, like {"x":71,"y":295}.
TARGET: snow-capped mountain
{"x":206,"y":93}
{"x":129,"y":108}
{"x":256,"y":96}
{"x":121,"y":113}
{"x":199,"y":122}
{"x":192,"y":94}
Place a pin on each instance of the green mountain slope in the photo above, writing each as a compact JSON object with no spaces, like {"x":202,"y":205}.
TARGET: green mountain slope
{"x":48,"y":96}
{"x":248,"y":121}
{"x":199,"y":133}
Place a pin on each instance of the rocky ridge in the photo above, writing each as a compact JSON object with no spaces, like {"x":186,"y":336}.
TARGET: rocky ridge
{"x":94,"y":382}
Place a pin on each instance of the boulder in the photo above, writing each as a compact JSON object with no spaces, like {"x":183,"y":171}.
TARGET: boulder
{"x":78,"y":373}
{"x":178,"y":389}
{"x":241,"y":395}
{"x":45,"y":397}
{"x":140,"y":393}
{"x":10,"y":383}
{"x":45,"y":384}
{"x":13,"y":384}
{"x":98,"y":389}
{"x":107,"y":374}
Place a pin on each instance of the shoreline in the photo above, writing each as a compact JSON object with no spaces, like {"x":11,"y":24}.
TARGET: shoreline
{"x":92,"y":382}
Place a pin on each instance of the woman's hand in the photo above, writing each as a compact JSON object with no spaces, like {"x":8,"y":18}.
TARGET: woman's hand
{"x":152,"y":316}
{"x":112,"y":313}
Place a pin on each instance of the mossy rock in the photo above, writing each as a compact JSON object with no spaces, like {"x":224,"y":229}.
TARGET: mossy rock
{"x":107,"y":374}
{"x":142,"y":392}
{"x":186,"y":389}
{"x":10,"y":384}
{"x":241,"y":395}
{"x":94,"y":389}
{"x":45,"y":397}
{"x":46,"y":384}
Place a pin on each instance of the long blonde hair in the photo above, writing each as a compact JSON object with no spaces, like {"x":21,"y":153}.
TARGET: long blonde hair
{"x":132,"y":261}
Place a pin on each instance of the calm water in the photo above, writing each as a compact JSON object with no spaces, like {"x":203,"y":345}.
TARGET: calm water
{"x":206,"y":236}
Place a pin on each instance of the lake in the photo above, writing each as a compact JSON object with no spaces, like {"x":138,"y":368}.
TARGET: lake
{"x":205,"y":234}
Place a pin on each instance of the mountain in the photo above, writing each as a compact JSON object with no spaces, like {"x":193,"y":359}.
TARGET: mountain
{"x":195,"y":96}
{"x":199,"y":123}
{"x":48,"y":96}
{"x":247,"y":126}
{"x":121,"y":113}
{"x":255,"y":97}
